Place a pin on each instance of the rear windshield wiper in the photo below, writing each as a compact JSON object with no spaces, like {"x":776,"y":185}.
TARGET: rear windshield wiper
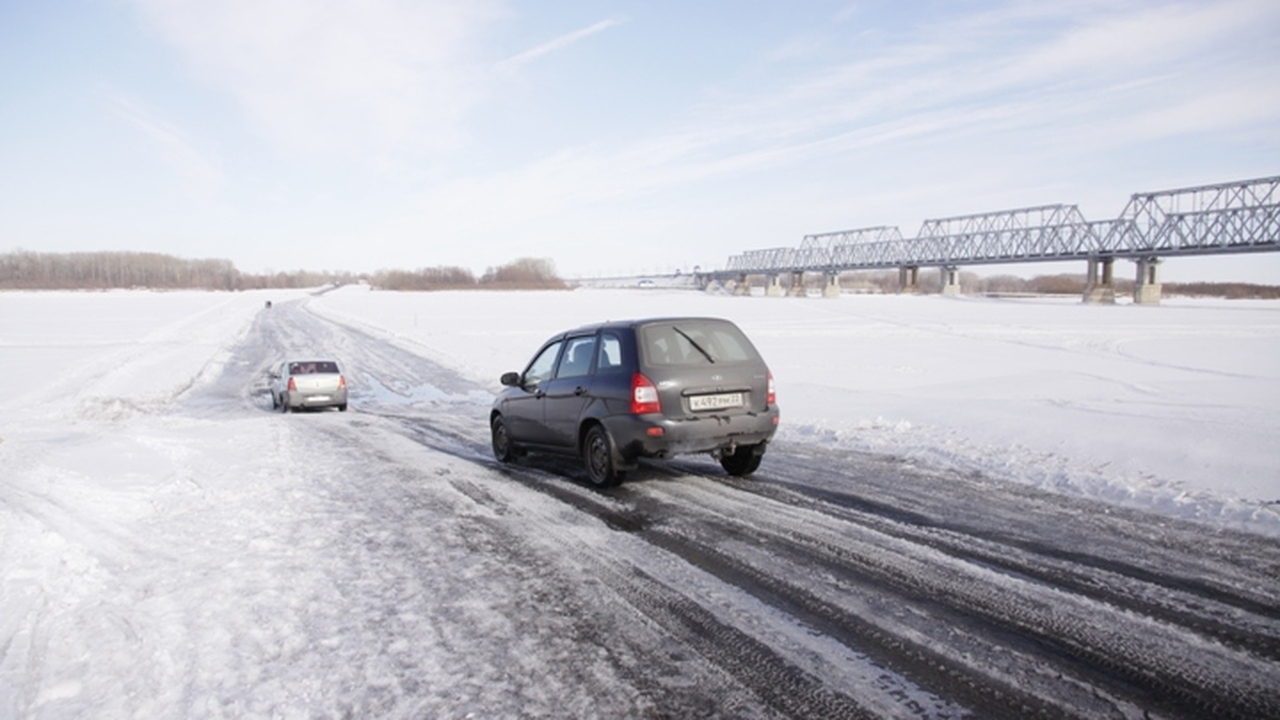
{"x":695,"y":345}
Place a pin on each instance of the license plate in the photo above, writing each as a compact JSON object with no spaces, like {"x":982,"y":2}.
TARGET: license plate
{"x":715,"y":402}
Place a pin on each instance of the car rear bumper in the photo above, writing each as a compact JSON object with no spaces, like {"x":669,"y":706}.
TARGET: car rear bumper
{"x":299,"y":399}
{"x":656,"y":436}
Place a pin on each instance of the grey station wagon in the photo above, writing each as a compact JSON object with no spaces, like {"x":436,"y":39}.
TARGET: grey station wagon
{"x":619,"y":391}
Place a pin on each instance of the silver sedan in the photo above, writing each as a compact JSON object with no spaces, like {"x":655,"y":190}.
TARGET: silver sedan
{"x":299,"y":384}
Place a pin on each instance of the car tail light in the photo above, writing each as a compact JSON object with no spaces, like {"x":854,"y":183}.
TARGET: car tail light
{"x":771,"y":395}
{"x":292,"y":385}
{"x":644,"y":396}
{"x":342,"y":381}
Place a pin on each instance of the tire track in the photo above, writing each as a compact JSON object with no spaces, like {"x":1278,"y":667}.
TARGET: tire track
{"x":1138,"y":661}
{"x":1244,"y":623}
{"x":1141,"y":659}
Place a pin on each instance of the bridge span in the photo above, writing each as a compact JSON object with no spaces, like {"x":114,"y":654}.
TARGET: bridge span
{"x":1233,"y":217}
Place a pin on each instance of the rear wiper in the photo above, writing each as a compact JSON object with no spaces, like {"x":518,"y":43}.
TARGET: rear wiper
{"x":695,"y":345}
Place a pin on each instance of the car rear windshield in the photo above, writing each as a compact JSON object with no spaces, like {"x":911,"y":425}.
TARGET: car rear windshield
{"x":695,"y":342}
{"x":314,"y":367}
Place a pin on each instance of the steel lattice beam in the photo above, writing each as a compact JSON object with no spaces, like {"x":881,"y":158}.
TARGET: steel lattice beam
{"x":1242,"y":216}
{"x":1237,"y":217}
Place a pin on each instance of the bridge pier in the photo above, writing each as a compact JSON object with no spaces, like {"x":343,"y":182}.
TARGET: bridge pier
{"x":1099,"y":287}
{"x":797,"y":285}
{"x":909,"y":280}
{"x":831,"y":288}
{"x":1146,"y":290}
{"x":774,"y":288}
{"x":742,"y":288}
{"x":950,"y":280}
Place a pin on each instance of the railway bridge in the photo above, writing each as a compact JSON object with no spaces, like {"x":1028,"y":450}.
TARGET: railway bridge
{"x":1227,"y":218}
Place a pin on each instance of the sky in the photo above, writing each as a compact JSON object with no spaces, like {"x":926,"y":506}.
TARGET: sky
{"x":611,"y":137}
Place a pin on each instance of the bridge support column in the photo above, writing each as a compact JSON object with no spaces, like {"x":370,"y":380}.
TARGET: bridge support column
{"x":797,"y":285}
{"x":831,"y":288}
{"x":950,"y":280}
{"x":1146,"y":291}
{"x":1099,"y":287}
{"x":742,"y":287}
{"x":774,"y":288}
{"x":909,"y":279}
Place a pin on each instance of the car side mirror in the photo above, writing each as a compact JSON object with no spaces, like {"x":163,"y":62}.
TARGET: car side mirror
{"x":510,"y":379}
{"x":273,"y":374}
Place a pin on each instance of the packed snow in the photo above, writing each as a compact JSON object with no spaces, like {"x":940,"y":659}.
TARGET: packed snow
{"x":171,"y":548}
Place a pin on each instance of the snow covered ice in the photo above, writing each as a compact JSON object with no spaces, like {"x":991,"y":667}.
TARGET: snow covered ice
{"x":171,"y":548}
{"x":1171,"y":407}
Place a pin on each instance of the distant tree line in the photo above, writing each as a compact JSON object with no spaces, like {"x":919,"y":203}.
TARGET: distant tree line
{"x":436,"y":278}
{"x":1074,"y":285}
{"x":101,"y":270}
{"x":1234,"y":291}
{"x":522,"y":274}
{"x":25,"y":270}
{"x":525,"y":273}
{"x":887,"y":281}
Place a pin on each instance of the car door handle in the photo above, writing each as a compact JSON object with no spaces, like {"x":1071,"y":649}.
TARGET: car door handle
{"x":579,"y":390}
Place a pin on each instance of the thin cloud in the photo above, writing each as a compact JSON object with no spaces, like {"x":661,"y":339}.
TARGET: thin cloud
{"x":559,"y":43}
{"x":337,"y":81}
{"x":947,"y":98}
{"x":171,"y":144}
{"x":1047,"y":74}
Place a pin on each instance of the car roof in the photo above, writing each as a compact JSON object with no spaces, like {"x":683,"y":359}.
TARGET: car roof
{"x":637,"y":322}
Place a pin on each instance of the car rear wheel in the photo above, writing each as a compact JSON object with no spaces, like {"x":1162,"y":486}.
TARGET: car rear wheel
{"x":502,"y":447}
{"x":284,"y":404}
{"x":744,"y":461}
{"x":599,"y":458}
{"x":342,"y":407}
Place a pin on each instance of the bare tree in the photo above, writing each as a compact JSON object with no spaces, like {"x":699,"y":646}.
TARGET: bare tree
{"x":436,"y":278}
{"x":525,"y":273}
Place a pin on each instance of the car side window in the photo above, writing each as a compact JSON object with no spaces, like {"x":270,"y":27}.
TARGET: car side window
{"x":577,"y":357}
{"x":610,"y":356}
{"x":542,"y":366}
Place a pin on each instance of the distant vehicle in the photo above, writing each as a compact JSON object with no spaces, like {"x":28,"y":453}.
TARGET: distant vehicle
{"x":645,"y":283}
{"x":300,"y":384}
{"x":619,"y":391}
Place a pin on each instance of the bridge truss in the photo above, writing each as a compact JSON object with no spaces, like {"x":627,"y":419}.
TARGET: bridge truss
{"x":1235,"y":217}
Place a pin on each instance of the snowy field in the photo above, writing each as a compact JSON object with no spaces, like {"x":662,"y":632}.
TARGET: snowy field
{"x":171,"y":548}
